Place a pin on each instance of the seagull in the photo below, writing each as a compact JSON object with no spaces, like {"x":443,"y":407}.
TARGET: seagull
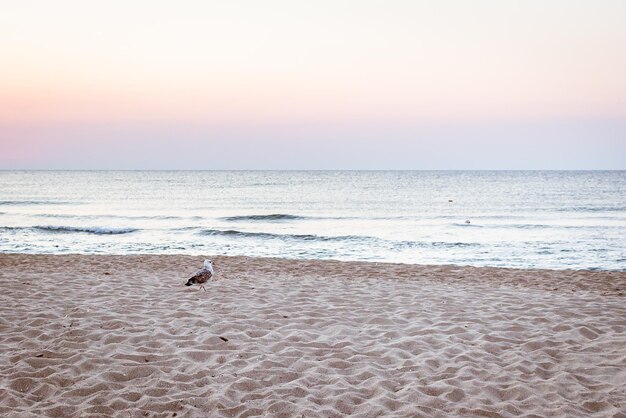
{"x":202,"y":275}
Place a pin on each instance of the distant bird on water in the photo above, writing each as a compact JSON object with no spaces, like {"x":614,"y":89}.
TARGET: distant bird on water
{"x":202,"y":275}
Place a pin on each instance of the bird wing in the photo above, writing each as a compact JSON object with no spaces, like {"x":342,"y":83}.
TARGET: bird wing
{"x":201,"y":276}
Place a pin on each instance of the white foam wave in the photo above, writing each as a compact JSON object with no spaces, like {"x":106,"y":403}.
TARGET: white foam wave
{"x":99,"y":230}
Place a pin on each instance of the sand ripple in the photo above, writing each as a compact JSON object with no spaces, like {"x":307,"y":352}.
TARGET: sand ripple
{"x":121,"y":336}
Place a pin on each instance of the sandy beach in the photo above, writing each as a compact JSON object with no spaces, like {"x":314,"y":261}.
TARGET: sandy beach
{"x":122,"y":336}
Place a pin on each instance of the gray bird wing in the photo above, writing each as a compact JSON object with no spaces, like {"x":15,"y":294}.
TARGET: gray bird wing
{"x":201,"y":276}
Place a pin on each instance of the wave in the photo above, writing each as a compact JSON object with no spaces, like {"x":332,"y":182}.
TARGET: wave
{"x":399,"y":245}
{"x":557,"y":226}
{"x":466,"y":225}
{"x":269,"y":235}
{"x":541,"y":226}
{"x":451,"y":244}
{"x":98,"y":230}
{"x":593,"y":209}
{"x":509,"y":226}
{"x":289,"y":217}
{"x":271,"y":217}
{"x":127,"y":217}
{"x":355,"y":239}
{"x":526,"y":226}
{"x":35,"y":202}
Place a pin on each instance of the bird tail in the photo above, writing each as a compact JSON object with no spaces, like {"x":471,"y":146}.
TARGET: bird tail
{"x":190,"y":282}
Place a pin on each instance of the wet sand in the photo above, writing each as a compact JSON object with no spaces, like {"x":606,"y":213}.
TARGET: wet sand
{"x":121,"y":336}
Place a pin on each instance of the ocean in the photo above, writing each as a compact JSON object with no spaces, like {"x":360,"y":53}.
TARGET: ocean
{"x":519,"y":219}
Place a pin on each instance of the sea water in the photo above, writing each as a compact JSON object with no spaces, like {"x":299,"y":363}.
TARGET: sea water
{"x":521,"y":219}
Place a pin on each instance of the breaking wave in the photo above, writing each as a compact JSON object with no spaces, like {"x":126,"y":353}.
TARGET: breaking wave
{"x":271,"y":217}
{"x":34,"y":202}
{"x":268,"y":235}
{"x":354,"y":239}
{"x":98,"y":230}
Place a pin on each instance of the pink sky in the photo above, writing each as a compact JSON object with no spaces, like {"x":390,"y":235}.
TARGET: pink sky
{"x":370,"y":82}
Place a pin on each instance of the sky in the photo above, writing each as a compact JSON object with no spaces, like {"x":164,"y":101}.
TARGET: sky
{"x":294,"y":84}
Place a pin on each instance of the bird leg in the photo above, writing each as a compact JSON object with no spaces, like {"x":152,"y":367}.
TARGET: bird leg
{"x":201,"y":287}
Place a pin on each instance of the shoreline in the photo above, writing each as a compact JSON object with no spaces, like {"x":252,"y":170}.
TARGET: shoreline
{"x":607,"y":281}
{"x":332,"y":260}
{"x":121,"y":335}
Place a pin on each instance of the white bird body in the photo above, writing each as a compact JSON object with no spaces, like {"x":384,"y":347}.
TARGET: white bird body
{"x":208,"y":266}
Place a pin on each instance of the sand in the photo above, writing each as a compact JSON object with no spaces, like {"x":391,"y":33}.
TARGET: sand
{"x":121,"y":336}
